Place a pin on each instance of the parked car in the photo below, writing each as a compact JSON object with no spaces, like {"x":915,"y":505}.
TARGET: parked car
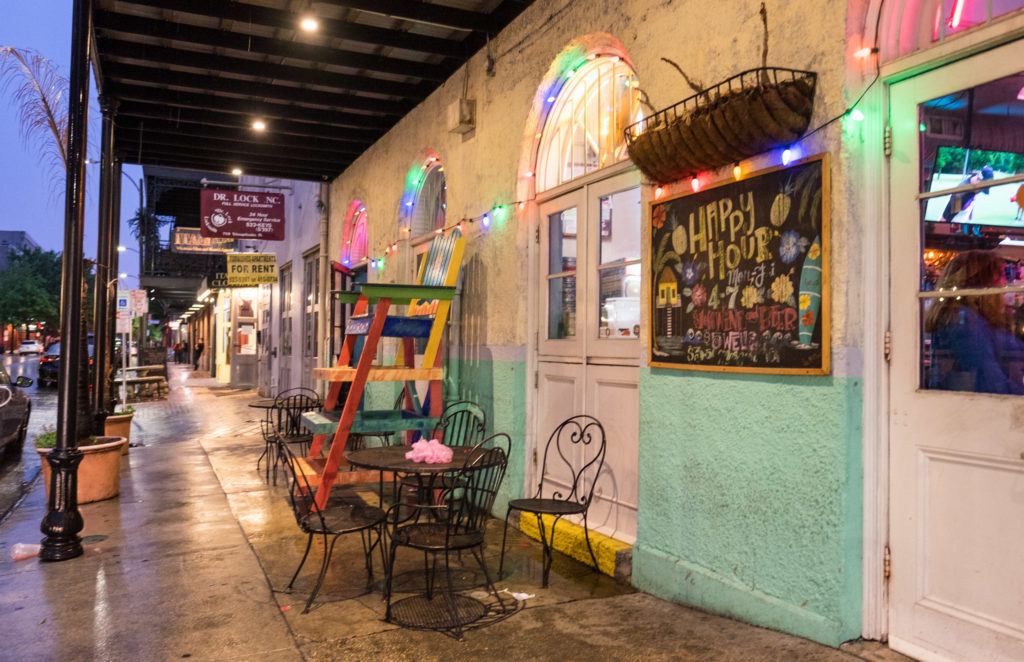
{"x":49,"y":364}
{"x":15,"y":408}
{"x":30,"y":347}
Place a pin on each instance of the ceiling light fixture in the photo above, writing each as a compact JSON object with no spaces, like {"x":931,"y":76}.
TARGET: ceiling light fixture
{"x":309,"y":24}
{"x":259,"y":125}
{"x":237,"y":172}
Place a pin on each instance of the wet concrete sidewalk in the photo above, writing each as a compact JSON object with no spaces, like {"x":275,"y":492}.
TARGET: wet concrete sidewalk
{"x":185,"y":562}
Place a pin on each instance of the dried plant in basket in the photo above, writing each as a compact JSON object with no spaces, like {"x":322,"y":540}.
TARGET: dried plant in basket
{"x":747,"y":114}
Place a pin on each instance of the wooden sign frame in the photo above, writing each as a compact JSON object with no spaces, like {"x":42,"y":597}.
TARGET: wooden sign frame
{"x":825,"y":313}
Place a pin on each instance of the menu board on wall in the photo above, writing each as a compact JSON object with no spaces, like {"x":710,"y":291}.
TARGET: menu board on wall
{"x":739,"y":274}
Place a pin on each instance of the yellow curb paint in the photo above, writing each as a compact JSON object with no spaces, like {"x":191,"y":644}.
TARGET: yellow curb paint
{"x":570,"y":540}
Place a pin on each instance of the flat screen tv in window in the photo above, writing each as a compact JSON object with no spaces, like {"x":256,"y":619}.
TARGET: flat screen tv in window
{"x":739,"y":274}
{"x":1001,"y":204}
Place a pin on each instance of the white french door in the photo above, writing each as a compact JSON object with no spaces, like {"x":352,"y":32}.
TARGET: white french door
{"x":588,"y":337}
{"x":957,"y":372}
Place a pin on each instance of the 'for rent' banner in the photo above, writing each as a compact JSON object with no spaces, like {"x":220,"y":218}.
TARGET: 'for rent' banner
{"x":241,"y":214}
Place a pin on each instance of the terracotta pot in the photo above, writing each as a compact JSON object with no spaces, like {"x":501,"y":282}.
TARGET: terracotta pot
{"x":99,"y":474}
{"x":119,"y":425}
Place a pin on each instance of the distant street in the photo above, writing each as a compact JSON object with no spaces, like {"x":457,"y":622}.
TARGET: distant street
{"x":15,"y":474}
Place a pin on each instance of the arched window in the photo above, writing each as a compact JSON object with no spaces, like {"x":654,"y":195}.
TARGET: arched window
{"x":426,"y":198}
{"x":583,"y":130}
{"x":354,"y":239}
{"x":911,"y":25}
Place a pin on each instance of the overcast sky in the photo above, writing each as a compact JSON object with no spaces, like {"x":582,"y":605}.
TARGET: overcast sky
{"x":29,"y":200}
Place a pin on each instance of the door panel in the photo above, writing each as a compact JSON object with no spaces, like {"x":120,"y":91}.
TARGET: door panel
{"x":956,"y":427}
{"x":560,"y":395}
{"x":613,"y":398}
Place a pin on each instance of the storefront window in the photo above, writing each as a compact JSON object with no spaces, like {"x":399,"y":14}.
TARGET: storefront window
{"x":972,"y":220}
{"x":286,"y":310}
{"x":584,"y":128}
{"x":619,"y":266}
{"x":562,"y":274}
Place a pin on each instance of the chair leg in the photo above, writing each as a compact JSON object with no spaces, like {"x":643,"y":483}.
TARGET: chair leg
{"x":478,"y":554}
{"x":364,"y":536}
{"x":309,"y":543}
{"x":390,"y":577}
{"x":546,"y":560}
{"x":450,"y":596}
{"x":504,"y":538}
{"x":586,"y":534}
{"x":328,"y":551}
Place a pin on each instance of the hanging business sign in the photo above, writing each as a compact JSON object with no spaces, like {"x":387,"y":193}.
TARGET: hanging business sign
{"x":251,"y":269}
{"x":191,"y":240}
{"x":241,"y":214}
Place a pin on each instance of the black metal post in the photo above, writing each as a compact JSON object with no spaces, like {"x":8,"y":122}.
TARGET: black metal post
{"x":113,"y":259}
{"x":102,"y":285}
{"x":62,"y":523}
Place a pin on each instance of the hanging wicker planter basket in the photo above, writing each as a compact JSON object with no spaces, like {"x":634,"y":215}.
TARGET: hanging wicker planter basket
{"x":750,"y":113}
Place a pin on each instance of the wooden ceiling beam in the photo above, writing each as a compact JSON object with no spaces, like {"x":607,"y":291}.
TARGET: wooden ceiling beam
{"x":118,"y":50}
{"x":422,"y":12}
{"x":213,"y":165}
{"x":329,"y":27}
{"x":247,"y":108}
{"x":251,"y":89}
{"x":174,"y":116}
{"x":163,"y":142}
{"x":135,"y":26}
{"x":129,"y":127}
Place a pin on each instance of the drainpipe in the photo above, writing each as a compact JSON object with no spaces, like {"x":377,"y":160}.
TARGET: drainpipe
{"x":324,"y":207}
{"x":62,"y":522}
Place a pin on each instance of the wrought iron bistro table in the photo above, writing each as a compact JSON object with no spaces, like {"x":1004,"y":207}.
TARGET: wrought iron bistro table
{"x":262,"y":403}
{"x":420,"y":611}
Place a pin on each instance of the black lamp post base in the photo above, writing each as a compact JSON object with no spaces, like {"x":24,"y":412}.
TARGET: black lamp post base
{"x":62,"y":522}
{"x":100,"y":420}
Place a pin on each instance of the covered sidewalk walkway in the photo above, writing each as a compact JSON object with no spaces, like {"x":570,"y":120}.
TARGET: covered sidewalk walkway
{"x":181,"y":565}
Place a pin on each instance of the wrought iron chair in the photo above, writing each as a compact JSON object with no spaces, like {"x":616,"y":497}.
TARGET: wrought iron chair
{"x":289,"y":407}
{"x":337,"y":519}
{"x":462,"y":423}
{"x":454,"y":522}
{"x":583,"y":435}
{"x":276,"y":422}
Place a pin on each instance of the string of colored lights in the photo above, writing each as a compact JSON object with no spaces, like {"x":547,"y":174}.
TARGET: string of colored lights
{"x":566,"y":65}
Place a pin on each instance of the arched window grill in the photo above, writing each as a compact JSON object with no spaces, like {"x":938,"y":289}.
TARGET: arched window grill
{"x":583,"y":130}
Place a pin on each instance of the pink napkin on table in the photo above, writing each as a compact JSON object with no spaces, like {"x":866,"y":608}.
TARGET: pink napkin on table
{"x":431,"y":452}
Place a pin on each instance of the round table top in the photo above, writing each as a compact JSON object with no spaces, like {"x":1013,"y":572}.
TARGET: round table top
{"x":392,"y":458}
{"x":262,"y":403}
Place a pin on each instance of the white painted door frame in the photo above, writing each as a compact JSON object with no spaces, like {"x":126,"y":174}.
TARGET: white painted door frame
{"x":534,"y":322}
{"x":872,"y":170}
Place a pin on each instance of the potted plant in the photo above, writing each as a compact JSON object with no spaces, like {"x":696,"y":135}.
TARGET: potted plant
{"x":119,"y":424}
{"x":99,"y":474}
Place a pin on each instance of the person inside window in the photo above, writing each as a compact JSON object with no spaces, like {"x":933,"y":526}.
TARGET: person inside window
{"x":960,"y":208}
{"x":971,"y":336}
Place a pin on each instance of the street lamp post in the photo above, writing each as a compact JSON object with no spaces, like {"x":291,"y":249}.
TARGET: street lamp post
{"x":63,"y":522}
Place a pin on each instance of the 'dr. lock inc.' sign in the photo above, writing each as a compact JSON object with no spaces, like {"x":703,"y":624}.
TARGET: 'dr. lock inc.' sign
{"x":241,"y":214}
{"x":251,"y":269}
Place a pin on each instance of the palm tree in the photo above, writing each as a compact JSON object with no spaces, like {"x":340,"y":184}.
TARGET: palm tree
{"x":39,"y":89}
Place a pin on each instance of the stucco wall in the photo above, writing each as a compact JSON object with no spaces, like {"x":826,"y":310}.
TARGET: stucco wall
{"x":302,"y":220}
{"x":749,"y":487}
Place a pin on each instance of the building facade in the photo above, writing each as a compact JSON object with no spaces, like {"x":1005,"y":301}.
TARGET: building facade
{"x":14,"y":240}
{"x":784,"y":500}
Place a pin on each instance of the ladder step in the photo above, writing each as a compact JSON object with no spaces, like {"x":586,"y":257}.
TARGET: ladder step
{"x":394,"y":327}
{"x":369,"y":421}
{"x":380,"y":374}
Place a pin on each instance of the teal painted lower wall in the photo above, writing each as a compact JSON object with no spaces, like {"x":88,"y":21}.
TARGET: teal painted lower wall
{"x":750,"y":498}
{"x":499,"y":387}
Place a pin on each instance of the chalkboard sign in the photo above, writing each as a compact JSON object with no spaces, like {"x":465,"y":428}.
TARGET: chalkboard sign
{"x":739,"y":274}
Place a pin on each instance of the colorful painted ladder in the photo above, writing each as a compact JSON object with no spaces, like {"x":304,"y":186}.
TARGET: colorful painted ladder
{"x":428,"y":305}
